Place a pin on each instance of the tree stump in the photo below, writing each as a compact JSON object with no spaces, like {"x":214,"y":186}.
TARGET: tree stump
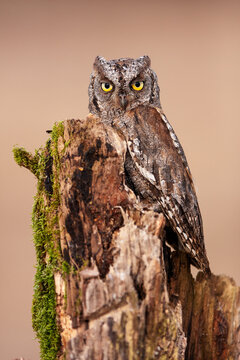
{"x":107,"y":285}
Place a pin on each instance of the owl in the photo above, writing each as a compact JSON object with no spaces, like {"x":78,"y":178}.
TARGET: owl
{"x":124,"y":94}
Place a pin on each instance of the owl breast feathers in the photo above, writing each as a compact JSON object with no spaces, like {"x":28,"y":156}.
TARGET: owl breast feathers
{"x":124,"y":93}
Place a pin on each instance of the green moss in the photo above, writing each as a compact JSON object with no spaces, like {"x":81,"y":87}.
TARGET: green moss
{"x":25,"y":159}
{"x":66,"y":145}
{"x":44,"y":312}
{"x":66,"y":268}
{"x":85,"y":264}
{"x":45,"y":230}
{"x":46,"y":240}
{"x":58,"y":131}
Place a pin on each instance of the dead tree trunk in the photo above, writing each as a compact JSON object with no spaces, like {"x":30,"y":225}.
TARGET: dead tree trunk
{"x":107,"y":286}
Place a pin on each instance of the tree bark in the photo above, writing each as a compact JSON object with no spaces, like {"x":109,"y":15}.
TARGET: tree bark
{"x":120,"y":292}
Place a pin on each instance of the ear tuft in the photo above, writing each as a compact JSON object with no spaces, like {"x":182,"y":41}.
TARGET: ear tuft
{"x":99,"y":62}
{"x":144,"y":60}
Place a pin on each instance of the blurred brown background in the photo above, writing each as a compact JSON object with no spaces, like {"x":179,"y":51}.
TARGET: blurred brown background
{"x":47,"y":50}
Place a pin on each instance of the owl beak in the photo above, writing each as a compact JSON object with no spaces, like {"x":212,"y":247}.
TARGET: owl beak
{"x":123,"y":100}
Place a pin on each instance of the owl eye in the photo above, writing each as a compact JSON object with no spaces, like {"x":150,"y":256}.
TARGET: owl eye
{"x":137,"y":85}
{"x":106,"y":86}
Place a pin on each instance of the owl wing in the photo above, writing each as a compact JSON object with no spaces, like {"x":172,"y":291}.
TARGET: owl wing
{"x":159,"y":158}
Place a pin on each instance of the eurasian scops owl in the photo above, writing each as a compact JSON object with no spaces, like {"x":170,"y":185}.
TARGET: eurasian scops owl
{"x":124,"y":94}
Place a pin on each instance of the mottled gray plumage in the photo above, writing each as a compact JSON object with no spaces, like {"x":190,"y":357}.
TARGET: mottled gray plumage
{"x":124,"y":93}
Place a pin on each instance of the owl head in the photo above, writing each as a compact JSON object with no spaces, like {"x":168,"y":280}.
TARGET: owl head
{"x":120,"y":85}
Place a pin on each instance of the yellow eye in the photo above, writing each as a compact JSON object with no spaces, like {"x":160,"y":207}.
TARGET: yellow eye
{"x":137,"y":85}
{"x":107,"y":86}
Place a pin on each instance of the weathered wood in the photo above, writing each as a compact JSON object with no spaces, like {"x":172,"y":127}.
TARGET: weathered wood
{"x":121,"y":291}
{"x":211,"y":313}
{"x":117,"y":301}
